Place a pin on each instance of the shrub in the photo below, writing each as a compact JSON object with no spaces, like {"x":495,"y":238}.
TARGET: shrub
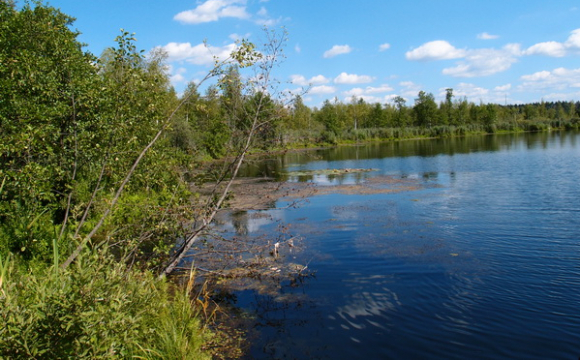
{"x":95,"y":309}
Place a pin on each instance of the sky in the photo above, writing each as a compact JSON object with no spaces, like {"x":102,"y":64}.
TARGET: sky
{"x":509,"y":51}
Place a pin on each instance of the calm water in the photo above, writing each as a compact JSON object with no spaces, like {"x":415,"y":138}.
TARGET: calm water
{"x":482,"y":260}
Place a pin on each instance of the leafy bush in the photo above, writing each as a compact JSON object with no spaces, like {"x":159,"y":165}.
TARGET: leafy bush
{"x":94,"y":309}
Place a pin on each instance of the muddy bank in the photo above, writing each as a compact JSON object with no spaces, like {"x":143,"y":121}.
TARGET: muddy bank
{"x":263,"y":193}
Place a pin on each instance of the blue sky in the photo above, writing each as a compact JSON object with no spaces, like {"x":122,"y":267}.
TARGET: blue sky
{"x":492,"y":51}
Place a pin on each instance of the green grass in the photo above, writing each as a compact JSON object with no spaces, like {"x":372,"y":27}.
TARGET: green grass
{"x":95,"y":309}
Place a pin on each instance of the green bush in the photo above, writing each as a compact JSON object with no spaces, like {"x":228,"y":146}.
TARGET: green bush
{"x":94,"y":309}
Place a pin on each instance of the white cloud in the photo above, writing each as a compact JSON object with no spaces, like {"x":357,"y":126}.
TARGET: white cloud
{"x":540,"y":75}
{"x":470,"y":91}
{"x":322,"y":89}
{"x":302,"y":81}
{"x":319,"y":79}
{"x":213,"y":10}
{"x":297,"y":48}
{"x":485,"y":62}
{"x":337,"y":50}
{"x":178,"y":76}
{"x":549,"y":48}
{"x":573,"y":41}
{"x":199,"y":54}
{"x":486,"y":36}
{"x":409,"y":89}
{"x":502,"y":88}
{"x":556,"y":49}
{"x":298,"y":80}
{"x":381,"y":89}
{"x":238,"y":37}
{"x":345,"y":78}
{"x":369,"y":90}
{"x":570,"y":96}
{"x":357,"y":92}
{"x":435,"y":50}
{"x":384,"y":47}
{"x":556,"y":80}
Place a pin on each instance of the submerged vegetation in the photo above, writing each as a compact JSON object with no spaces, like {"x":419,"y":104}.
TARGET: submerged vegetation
{"x":100,"y":177}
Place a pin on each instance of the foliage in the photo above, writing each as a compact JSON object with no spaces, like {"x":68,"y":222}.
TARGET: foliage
{"x":95,"y":309}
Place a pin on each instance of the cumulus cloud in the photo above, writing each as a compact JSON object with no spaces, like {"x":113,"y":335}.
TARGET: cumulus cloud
{"x":485,"y":62}
{"x":573,"y":41}
{"x":369,"y":90}
{"x":178,"y":76}
{"x":199,"y":54}
{"x":384,"y":47}
{"x":238,"y":37}
{"x":470,"y":91}
{"x":322,"y":90}
{"x":503,"y":88}
{"x":540,"y":75}
{"x":302,"y":81}
{"x":555,"y":80}
{"x":555,"y":48}
{"x":409,"y":89}
{"x":549,"y":48}
{"x":213,"y":10}
{"x":435,"y":50}
{"x":381,"y":89}
{"x":337,"y":50}
{"x":345,"y":78}
{"x":486,"y":36}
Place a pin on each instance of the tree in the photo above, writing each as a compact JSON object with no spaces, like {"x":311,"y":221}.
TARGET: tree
{"x":489,"y":115}
{"x":462,"y":113}
{"x":401,"y":118}
{"x":48,"y":89}
{"x":447,"y":109}
{"x":301,"y":115}
{"x":233,"y":99}
{"x":530,"y":112}
{"x":328,"y":116}
{"x":425,"y":109}
{"x":377,"y":117}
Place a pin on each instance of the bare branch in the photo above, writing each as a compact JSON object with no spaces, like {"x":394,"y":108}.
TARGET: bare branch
{"x":273,"y":47}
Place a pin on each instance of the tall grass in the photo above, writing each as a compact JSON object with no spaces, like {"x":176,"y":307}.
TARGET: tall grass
{"x":95,"y":309}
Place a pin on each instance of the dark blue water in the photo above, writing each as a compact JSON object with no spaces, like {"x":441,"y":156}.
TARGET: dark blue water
{"x":479,"y":259}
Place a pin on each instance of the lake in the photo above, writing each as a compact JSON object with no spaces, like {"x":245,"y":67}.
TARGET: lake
{"x":473,"y":252}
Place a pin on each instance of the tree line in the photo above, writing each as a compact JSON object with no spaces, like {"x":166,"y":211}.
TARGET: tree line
{"x":335,"y":121}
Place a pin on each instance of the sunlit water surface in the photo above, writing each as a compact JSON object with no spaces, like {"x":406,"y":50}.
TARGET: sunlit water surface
{"x":482,"y":260}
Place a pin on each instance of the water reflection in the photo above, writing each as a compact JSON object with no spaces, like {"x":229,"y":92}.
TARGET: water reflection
{"x":276,"y":167}
{"x":479,"y":259}
{"x":247,"y":222}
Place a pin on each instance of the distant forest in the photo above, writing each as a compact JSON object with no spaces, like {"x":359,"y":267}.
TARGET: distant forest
{"x":356,"y":120}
